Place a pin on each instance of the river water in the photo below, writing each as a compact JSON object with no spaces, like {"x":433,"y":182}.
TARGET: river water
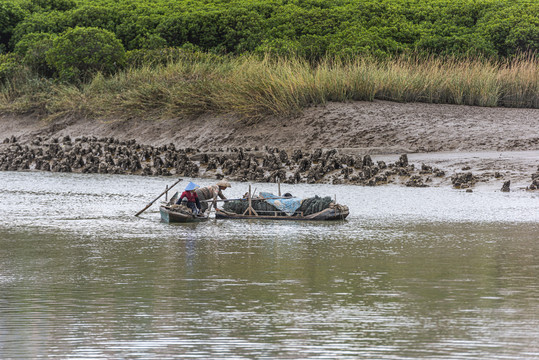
{"x":431,"y":273}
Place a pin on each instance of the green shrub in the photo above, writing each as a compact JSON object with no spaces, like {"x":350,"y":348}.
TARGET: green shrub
{"x":10,"y":65}
{"x":49,"y":5}
{"x":309,"y":28}
{"x":33,"y":48}
{"x":136,"y":25}
{"x":173,"y":30}
{"x":10,"y":15}
{"x":513,"y":29}
{"x":164,"y":56}
{"x":93,"y":16}
{"x":79,"y":53}
{"x":150,"y":42}
{"x":53,"y":22}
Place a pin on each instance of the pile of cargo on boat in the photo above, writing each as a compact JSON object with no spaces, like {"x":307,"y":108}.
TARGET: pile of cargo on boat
{"x":181,"y":208}
{"x":267,"y":205}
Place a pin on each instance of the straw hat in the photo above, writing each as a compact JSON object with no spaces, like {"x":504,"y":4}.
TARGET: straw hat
{"x":223,"y":183}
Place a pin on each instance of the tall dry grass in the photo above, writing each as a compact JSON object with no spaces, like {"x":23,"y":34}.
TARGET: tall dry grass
{"x":251,"y":87}
{"x":519,"y":80}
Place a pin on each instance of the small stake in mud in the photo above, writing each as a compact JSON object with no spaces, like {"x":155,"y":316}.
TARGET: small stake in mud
{"x":250,"y":207}
{"x":154,"y":200}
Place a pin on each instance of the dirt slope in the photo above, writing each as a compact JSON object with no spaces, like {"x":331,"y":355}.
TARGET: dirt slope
{"x":374,"y":127}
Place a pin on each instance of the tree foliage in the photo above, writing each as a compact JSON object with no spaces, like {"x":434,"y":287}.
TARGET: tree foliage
{"x":308,"y":28}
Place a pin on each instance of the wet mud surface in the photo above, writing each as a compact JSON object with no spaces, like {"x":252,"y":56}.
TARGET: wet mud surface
{"x":363,"y":143}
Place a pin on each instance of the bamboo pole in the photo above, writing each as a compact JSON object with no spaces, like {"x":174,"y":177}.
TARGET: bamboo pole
{"x":250,"y":202}
{"x":154,"y":200}
{"x":212,"y":203}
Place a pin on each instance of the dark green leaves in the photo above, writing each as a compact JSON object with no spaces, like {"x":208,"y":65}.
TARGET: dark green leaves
{"x":81,"y":52}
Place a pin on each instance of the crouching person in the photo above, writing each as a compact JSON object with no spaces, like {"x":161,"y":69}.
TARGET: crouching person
{"x":211,"y":192}
{"x":190,"y":194}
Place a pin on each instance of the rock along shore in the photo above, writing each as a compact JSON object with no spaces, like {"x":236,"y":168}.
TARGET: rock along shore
{"x":109,"y":155}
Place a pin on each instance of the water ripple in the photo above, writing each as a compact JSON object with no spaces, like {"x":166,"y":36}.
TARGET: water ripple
{"x":413,"y":273}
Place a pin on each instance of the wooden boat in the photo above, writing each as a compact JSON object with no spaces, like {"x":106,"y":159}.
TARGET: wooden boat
{"x":337,"y":212}
{"x":333,"y":212}
{"x":170,"y":215}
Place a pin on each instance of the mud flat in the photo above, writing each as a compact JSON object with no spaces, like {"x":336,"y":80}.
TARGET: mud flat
{"x":363,"y":143}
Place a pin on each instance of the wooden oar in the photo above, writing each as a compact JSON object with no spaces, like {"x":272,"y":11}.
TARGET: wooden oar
{"x":154,"y":200}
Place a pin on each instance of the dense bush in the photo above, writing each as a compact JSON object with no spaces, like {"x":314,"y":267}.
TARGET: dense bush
{"x":10,"y":65}
{"x":53,"y":22}
{"x":93,"y":16}
{"x":513,"y":30}
{"x":10,"y":15}
{"x":81,"y":52}
{"x":310,"y":29}
{"x":49,"y":5}
{"x":154,"y":58}
{"x":33,"y":49}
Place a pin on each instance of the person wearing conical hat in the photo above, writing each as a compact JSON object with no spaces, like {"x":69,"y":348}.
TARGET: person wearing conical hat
{"x":190,"y":194}
{"x":210,"y":192}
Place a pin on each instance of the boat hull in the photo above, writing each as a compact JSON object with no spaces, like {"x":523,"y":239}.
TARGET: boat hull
{"x":324,"y":215}
{"x":170,"y":216}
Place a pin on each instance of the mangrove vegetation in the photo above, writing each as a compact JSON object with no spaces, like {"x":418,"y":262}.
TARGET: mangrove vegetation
{"x":254,"y":58}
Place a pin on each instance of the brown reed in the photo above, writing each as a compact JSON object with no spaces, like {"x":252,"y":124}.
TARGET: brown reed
{"x":252,"y":87}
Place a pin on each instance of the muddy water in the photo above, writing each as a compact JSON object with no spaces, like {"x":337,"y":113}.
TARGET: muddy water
{"x":413,"y":273}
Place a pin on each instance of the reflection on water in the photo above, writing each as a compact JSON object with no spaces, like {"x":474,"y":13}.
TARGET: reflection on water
{"x":413,"y":273}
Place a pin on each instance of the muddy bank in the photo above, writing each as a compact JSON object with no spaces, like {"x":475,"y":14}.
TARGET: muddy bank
{"x":326,"y":144}
{"x":378,"y":127}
